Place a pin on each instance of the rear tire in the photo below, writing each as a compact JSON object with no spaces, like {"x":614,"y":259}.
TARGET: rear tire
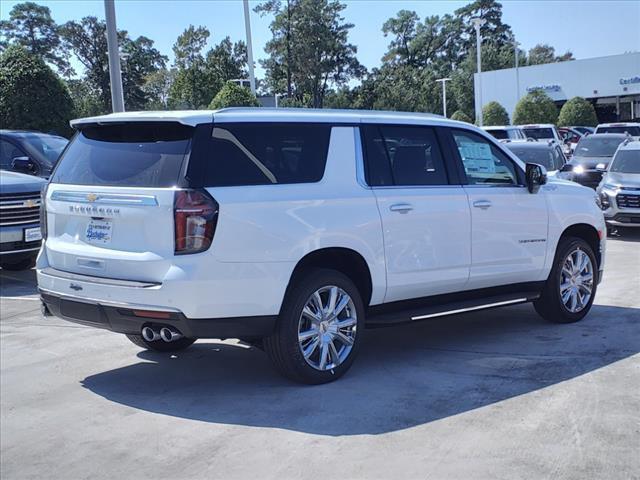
{"x":161,"y":345}
{"x":25,"y":264}
{"x":557,"y":304}
{"x":319,"y":328}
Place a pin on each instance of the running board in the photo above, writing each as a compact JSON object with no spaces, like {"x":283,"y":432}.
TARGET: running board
{"x":439,"y":306}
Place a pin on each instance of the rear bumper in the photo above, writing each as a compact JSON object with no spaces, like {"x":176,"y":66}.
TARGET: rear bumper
{"x":121,"y":319}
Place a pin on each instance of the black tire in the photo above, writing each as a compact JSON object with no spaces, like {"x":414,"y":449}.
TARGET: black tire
{"x":161,"y":345}
{"x":283,"y":347}
{"x":25,"y":264}
{"x":550,"y":305}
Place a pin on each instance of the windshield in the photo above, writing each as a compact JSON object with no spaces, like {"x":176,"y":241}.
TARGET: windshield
{"x":597,"y":147}
{"x":539,"y":133}
{"x":633,"y":131}
{"x":626,"y":161}
{"x":47,"y":147}
{"x":132,"y":155}
{"x":549,"y":158}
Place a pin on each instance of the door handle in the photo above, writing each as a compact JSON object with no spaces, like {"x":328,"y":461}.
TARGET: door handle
{"x":401,"y":207}
{"x":483,"y":204}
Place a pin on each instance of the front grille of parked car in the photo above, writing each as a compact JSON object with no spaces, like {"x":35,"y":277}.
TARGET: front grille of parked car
{"x":19,"y":208}
{"x":13,"y":246}
{"x":626,"y":200}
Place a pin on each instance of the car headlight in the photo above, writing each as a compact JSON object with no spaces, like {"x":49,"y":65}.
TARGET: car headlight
{"x":603,"y":201}
{"x":578,"y":169}
{"x":610,"y":186}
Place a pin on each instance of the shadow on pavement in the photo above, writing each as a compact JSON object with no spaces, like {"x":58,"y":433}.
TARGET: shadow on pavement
{"x":404,"y":377}
{"x":18,"y":284}
{"x":625,"y":234}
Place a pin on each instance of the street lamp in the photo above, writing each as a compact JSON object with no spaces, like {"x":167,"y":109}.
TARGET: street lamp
{"x":247,"y":26}
{"x":115,"y":77}
{"x":444,"y":94}
{"x":515,"y":47}
{"x":477,"y":23}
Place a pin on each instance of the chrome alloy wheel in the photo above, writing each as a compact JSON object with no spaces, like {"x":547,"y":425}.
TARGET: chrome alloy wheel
{"x":327,"y":328}
{"x":576,"y":281}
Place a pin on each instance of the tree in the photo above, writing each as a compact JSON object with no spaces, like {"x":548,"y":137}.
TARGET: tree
{"x":233,"y":95}
{"x":543,"y":53}
{"x":32,"y":96}
{"x":191,"y":87}
{"x":461,"y":116}
{"x":227,"y":61}
{"x":577,"y":111}
{"x":535,"y":107}
{"x":31,"y":26}
{"x":494,"y":114}
{"x":86,"y":101}
{"x":157,"y":86}
{"x":141,"y":59}
{"x":318,"y":58}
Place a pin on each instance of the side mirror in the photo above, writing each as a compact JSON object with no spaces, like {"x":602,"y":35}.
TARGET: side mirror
{"x":601,"y":167}
{"x":536,"y":176}
{"x":23,"y":164}
{"x":567,"y":167}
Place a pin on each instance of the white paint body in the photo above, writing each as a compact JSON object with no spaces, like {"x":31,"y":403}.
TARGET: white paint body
{"x":442,"y":245}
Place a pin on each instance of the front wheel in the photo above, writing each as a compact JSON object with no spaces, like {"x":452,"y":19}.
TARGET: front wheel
{"x":318,"y":332}
{"x":571,"y":287}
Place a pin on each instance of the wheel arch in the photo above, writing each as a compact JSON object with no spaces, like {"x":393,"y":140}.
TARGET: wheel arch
{"x":344,"y":260}
{"x":589,"y":234}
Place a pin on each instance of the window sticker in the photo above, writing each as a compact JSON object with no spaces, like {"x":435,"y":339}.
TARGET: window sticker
{"x":477,"y":157}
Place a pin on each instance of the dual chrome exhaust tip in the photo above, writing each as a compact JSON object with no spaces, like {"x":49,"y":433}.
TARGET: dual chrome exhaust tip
{"x":166,"y":334}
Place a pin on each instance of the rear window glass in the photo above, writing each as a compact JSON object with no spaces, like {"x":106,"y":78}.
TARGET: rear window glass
{"x":263,"y":154}
{"x":131,"y":154}
{"x":539,"y":133}
{"x":499,"y":134}
{"x":631,"y":130}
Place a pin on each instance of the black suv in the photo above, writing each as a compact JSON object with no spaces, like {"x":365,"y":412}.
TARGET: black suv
{"x":34,"y":153}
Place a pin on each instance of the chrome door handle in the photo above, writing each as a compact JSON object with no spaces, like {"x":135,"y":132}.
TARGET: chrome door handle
{"x":401,"y":207}
{"x":483,"y":204}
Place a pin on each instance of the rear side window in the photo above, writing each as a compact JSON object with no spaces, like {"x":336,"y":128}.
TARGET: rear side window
{"x":264,"y":154}
{"x":539,"y":133}
{"x":499,"y":134}
{"x":127,"y":154}
{"x":403,"y":155}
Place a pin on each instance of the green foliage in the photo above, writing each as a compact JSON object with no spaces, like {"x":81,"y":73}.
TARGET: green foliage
{"x":309,"y":52}
{"x":461,"y":116}
{"x":579,"y":112}
{"x":86,"y":101}
{"x":32,"y":96}
{"x":157,"y":86}
{"x":535,"y":107}
{"x":494,"y":114}
{"x":233,"y":95}
{"x":31,"y":26}
{"x":543,"y":53}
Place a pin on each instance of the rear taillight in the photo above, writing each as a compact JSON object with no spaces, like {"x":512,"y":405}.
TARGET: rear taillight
{"x":195,"y":218}
{"x":43,"y":211}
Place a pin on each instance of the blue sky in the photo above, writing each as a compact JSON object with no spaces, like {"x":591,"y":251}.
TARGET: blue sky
{"x":587,"y":28}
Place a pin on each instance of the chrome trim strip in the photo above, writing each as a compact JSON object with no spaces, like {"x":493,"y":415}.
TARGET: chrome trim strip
{"x":13,"y":204}
{"x":104,"y":198}
{"x":54,"y":273}
{"x":22,"y":222}
{"x":470,"y":309}
{"x":20,"y":251}
{"x":93,"y":301}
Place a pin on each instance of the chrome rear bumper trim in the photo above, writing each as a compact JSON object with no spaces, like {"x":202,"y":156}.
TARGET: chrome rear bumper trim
{"x":114,"y":282}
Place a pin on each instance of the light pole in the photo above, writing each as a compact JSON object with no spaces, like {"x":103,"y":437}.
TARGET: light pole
{"x":115,"y":77}
{"x":247,"y":26}
{"x":444,"y":94}
{"x":515,"y":47}
{"x":477,"y":23}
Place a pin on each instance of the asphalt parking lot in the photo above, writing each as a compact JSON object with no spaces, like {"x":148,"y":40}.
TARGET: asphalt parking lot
{"x":495,"y":394}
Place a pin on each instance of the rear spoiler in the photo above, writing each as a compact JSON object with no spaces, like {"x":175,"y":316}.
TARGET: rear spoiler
{"x":190,"y":118}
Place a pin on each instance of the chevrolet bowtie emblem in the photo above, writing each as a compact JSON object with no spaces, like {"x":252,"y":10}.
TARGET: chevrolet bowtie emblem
{"x":92,"y":197}
{"x":29,"y":204}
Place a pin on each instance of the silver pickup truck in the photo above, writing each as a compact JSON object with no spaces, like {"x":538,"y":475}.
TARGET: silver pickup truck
{"x":20,"y":235}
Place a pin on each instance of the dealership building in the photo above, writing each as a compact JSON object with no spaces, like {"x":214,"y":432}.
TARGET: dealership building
{"x":611,"y":84}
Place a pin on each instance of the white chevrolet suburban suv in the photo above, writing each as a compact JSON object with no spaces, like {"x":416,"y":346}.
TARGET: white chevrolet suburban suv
{"x":294,"y":230}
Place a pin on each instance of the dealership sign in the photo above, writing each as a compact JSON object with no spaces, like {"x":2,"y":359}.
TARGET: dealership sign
{"x":545,"y":88}
{"x":629,"y":80}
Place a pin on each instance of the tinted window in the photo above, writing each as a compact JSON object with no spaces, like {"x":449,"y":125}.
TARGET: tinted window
{"x":46,"y":147}
{"x":131,"y":154}
{"x":626,"y":161}
{"x":499,"y":134}
{"x":597,"y":146}
{"x":8,"y":151}
{"x":633,"y":131}
{"x":539,"y":133}
{"x":403,"y":155}
{"x":550,"y":158}
{"x":483,"y":162}
{"x":265,"y":154}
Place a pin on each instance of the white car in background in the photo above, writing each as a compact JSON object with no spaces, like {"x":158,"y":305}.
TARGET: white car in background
{"x":631,"y":128}
{"x":505,"y":132}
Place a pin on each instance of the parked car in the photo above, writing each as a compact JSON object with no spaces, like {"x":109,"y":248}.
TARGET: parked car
{"x":619,"y":190}
{"x":20,"y":235}
{"x":549,"y":154}
{"x":570,"y":138}
{"x":34,"y":153}
{"x":584,"y":130}
{"x":507,"y":132}
{"x":542,"y":132}
{"x":591,"y":158}
{"x":630,"y":128}
{"x":296,"y":229}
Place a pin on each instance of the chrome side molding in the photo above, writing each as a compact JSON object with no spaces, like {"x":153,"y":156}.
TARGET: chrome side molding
{"x":471,"y":309}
